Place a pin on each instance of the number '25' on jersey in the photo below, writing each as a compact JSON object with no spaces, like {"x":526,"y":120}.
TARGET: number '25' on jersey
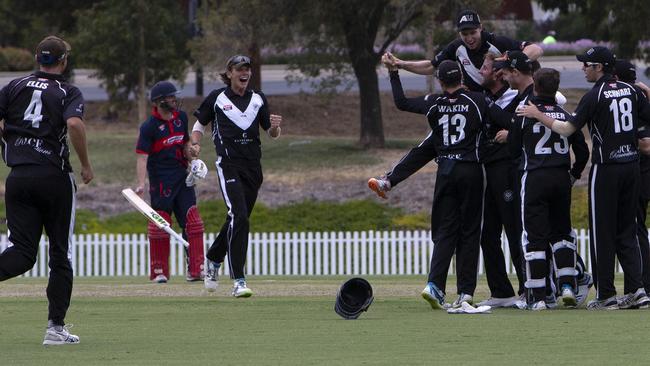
{"x":539,"y":146}
{"x":457,"y":121}
{"x":613,"y":111}
{"x":35,"y":110}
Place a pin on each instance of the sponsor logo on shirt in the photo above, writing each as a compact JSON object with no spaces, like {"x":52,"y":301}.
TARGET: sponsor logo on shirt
{"x":227,"y":107}
{"x":623,"y":151}
{"x":34,"y":143}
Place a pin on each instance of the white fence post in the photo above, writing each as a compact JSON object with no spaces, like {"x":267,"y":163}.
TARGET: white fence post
{"x":284,"y":253}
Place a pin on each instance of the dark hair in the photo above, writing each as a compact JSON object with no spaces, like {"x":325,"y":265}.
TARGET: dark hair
{"x":224,"y":78}
{"x":452,"y":84}
{"x":547,"y":82}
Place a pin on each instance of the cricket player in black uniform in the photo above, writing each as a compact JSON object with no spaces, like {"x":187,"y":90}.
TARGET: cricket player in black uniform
{"x":545,"y":195}
{"x":625,"y":71}
{"x":613,"y":111}
{"x":39,"y":111}
{"x":469,"y":50}
{"x":236,"y":114}
{"x":456,"y":119}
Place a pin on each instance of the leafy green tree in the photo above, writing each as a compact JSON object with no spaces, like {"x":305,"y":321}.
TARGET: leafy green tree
{"x":338,"y":34}
{"x":230,"y":27}
{"x":133,"y":44}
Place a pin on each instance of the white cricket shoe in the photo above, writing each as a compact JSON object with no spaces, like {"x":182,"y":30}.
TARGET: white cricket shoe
{"x":607,"y":304}
{"x":59,"y":335}
{"x":500,"y":302}
{"x":239,"y":289}
{"x":538,"y":306}
{"x":160,"y":279}
{"x":636,"y":300}
{"x":584,"y":284}
{"x":211,"y":278}
{"x":461,"y":299}
{"x":434,"y":296}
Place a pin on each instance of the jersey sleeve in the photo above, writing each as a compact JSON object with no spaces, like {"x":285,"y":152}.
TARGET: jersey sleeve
{"x":584,"y":111}
{"x":497,"y":115}
{"x":419,"y":105}
{"x":73,"y":105}
{"x":580,"y":151}
{"x":643,"y":108}
{"x":145,"y":140}
{"x":205,"y":112}
{"x":186,"y":133}
{"x":504,"y":44}
{"x":263,"y":114}
{"x":447,"y":53}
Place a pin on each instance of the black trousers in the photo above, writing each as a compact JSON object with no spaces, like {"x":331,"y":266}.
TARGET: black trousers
{"x":239,"y":186}
{"x":501,"y":212}
{"x":34,"y":203}
{"x":613,"y":196}
{"x":456,"y":221}
{"x":546,"y":232}
{"x":642,"y":233}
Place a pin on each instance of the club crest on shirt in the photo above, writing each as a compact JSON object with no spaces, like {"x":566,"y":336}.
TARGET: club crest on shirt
{"x":227,"y":107}
{"x":466,"y":62}
{"x":177,"y":122}
{"x":508,"y":195}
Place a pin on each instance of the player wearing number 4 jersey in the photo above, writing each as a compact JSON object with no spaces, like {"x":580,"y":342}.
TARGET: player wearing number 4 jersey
{"x":38,"y":112}
{"x":613,"y":111}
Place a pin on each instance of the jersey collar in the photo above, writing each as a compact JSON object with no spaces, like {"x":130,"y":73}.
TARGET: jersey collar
{"x":156,"y":114}
{"x":47,"y":75}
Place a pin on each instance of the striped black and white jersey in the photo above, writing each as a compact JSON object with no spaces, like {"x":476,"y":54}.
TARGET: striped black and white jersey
{"x":457,"y":122}
{"x":490,"y":149}
{"x":540,"y":147}
{"x":35,"y":110}
{"x":235,"y":123}
{"x":613,"y":111}
{"x":471,"y":60}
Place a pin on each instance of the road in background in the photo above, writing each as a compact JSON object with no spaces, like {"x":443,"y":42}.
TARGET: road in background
{"x":274,"y":82}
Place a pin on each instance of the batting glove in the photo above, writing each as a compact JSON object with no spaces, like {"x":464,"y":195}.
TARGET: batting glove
{"x":198,"y":169}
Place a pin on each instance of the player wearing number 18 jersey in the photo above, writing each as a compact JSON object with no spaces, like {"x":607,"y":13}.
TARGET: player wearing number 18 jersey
{"x":38,"y":112}
{"x":613,"y":111}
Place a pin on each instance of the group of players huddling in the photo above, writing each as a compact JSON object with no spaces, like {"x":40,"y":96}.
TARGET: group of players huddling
{"x":502,"y":141}
{"x":499,"y":135}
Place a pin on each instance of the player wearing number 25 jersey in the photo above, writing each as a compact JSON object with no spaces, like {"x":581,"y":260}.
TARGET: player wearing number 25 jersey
{"x":38,"y":110}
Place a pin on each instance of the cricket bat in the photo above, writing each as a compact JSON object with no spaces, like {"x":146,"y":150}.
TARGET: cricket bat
{"x":151,"y":214}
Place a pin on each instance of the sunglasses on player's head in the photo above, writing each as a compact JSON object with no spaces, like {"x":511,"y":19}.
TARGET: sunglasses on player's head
{"x":239,"y":59}
{"x":590,"y":64}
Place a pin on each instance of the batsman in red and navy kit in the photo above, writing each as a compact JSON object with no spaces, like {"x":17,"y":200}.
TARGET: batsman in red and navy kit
{"x":164,"y":155}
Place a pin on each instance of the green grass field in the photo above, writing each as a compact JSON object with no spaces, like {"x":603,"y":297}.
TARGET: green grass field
{"x":290,"y":321}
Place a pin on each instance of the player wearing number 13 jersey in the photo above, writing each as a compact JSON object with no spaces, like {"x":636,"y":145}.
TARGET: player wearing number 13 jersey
{"x":457,"y":119}
{"x":38,"y":111}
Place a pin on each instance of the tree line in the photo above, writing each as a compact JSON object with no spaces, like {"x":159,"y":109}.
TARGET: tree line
{"x":134,"y":43}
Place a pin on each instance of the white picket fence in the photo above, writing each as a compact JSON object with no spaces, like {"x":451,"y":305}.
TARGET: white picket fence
{"x":304,"y":253}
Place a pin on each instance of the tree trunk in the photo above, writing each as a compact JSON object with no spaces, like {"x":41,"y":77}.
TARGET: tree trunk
{"x":256,"y":58}
{"x":372,"y":128}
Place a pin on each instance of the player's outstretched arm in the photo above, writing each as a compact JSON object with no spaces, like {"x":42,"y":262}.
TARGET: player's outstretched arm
{"x":530,"y":111}
{"x":77,"y":131}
